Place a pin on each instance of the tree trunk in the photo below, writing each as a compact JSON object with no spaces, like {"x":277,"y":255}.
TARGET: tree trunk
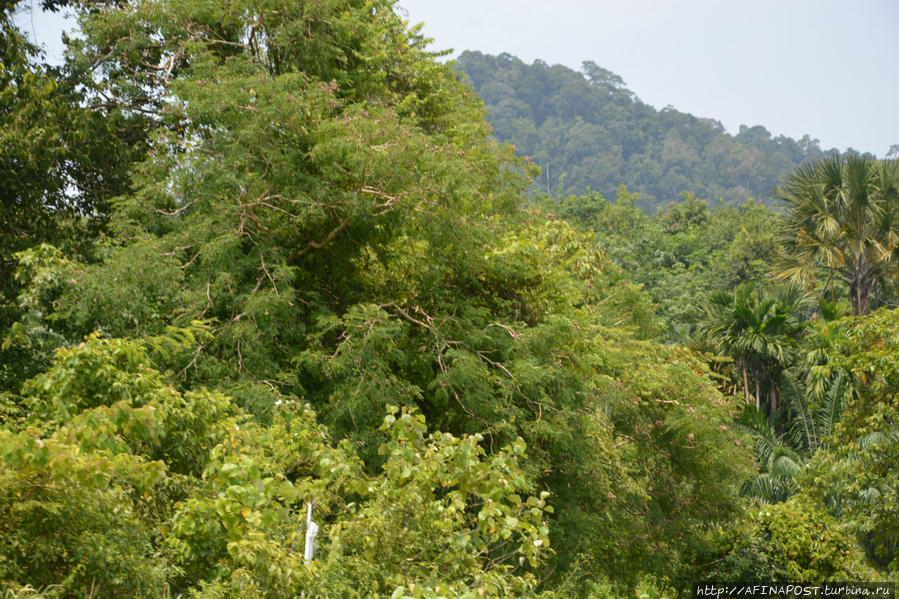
{"x":745,"y":383}
{"x":864,"y":297}
{"x":860,"y":288}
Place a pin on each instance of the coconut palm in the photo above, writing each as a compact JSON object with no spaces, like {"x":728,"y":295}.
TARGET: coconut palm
{"x":843,"y":217}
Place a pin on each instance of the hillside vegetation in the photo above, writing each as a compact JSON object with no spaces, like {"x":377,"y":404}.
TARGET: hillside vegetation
{"x":586,"y":130}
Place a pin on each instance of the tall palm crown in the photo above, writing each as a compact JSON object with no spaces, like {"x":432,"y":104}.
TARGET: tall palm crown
{"x":842,"y":216}
{"x":759,"y":330}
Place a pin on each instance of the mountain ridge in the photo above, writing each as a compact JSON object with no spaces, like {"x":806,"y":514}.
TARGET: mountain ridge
{"x":586,"y":130}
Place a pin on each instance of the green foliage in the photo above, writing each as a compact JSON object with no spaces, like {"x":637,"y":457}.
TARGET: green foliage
{"x":129,"y":484}
{"x":761,"y":332}
{"x":74,"y":519}
{"x":841,"y":220}
{"x":42,"y":275}
{"x":778,"y":463}
{"x":135,"y":295}
{"x":856,"y":479}
{"x":321,"y":291}
{"x":591,"y":402}
{"x":586,"y":131}
{"x":465,"y":534}
{"x":790,"y":541}
{"x":60,"y":161}
{"x":783,"y":449}
{"x":681,"y":254}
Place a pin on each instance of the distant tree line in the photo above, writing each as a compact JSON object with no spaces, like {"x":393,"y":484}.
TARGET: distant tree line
{"x":586,"y":130}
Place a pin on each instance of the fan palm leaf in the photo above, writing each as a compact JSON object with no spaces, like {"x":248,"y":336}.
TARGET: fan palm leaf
{"x":843,"y":215}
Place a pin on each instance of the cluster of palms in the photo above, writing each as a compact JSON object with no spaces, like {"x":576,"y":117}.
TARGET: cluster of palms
{"x":840,"y":234}
{"x":790,"y":407}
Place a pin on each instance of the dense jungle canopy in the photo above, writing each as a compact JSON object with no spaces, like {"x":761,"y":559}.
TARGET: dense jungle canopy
{"x":262,"y":257}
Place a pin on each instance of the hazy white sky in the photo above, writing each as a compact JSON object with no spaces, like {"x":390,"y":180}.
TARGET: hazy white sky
{"x":829,"y":68}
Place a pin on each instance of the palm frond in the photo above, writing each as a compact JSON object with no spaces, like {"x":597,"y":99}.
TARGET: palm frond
{"x":831,"y":408}
{"x":754,"y":422}
{"x":866,"y":442}
{"x":804,"y":432}
{"x":868,"y":496}
{"x":784,"y":463}
{"x":768,"y":488}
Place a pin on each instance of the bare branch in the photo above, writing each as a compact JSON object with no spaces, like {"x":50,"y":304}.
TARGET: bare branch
{"x":317,"y":245}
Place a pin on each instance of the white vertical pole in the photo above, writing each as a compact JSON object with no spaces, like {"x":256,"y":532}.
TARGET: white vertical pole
{"x":311,"y":531}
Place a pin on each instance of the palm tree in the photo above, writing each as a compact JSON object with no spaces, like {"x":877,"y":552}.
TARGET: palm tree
{"x":813,"y":413}
{"x":778,"y":463}
{"x":759,"y":331}
{"x":781,"y":457}
{"x":842,"y":216}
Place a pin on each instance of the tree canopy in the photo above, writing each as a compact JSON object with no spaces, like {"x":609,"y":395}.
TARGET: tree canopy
{"x":319,"y":285}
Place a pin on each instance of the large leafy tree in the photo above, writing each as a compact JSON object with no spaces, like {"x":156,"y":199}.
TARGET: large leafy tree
{"x":842,"y":219}
{"x":63,"y":154}
{"x":30,"y":185}
{"x":326,"y":194}
{"x":60,"y":155}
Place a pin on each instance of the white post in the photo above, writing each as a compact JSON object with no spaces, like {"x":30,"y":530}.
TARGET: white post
{"x":311,"y":531}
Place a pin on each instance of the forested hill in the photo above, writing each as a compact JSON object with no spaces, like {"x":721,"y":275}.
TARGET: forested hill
{"x":588,"y":130}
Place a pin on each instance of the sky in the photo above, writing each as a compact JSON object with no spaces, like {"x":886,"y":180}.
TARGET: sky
{"x":44,"y":28}
{"x":826,"y":68}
